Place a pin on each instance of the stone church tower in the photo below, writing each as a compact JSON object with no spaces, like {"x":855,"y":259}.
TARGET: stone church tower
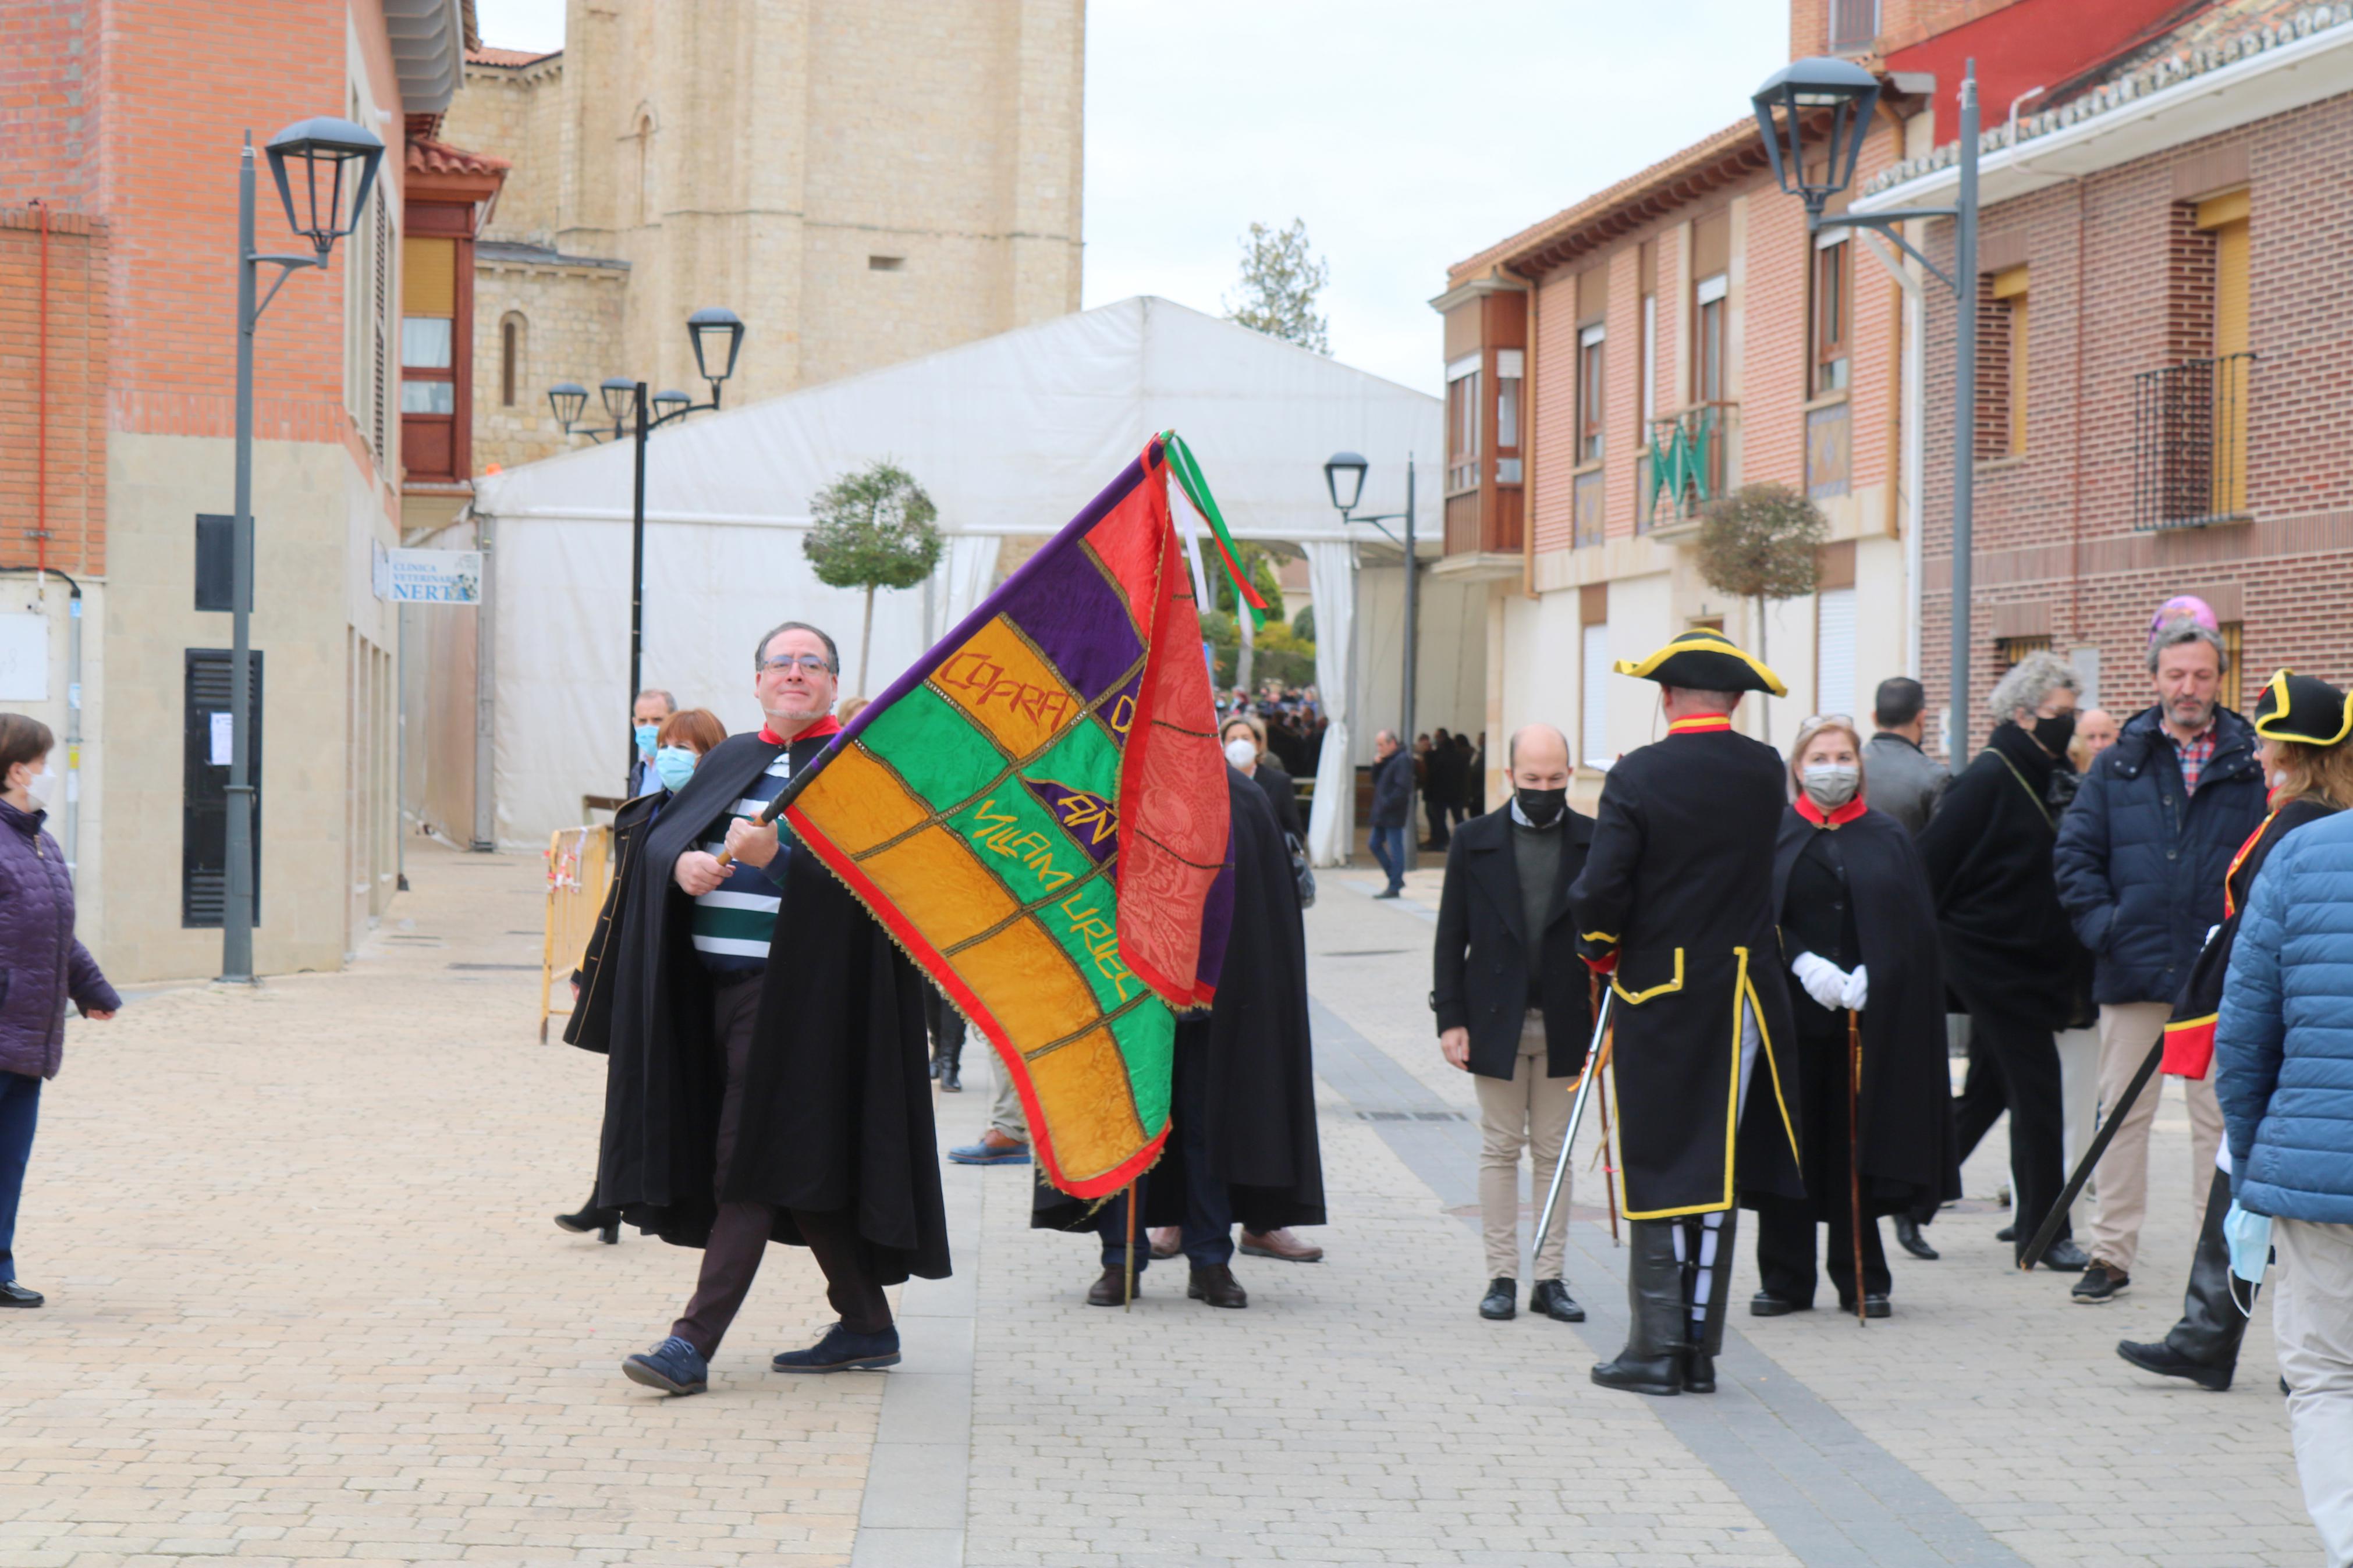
{"x":863,"y":181}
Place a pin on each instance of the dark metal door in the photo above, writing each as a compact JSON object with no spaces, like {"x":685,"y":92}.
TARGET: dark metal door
{"x":203,"y":809}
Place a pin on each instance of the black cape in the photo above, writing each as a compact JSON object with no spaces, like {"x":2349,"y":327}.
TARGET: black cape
{"x":1907,"y":1143}
{"x":836,"y":1113}
{"x":1678,"y":883}
{"x":2190,"y":1033}
{"x":1255,"y":1046}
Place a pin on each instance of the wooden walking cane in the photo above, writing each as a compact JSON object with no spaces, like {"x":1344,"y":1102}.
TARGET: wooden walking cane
{"x":1854,"y":1152}
{"x":1129,"y":1305}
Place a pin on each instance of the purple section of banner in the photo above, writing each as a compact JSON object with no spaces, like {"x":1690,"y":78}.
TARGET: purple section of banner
{"x":1077,"y":619}
{"x":1087,"y":818}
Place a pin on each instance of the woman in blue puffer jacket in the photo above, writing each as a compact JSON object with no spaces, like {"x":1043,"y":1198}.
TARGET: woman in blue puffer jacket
{"x":41,"y":966}
{"x":2283,"y":1073}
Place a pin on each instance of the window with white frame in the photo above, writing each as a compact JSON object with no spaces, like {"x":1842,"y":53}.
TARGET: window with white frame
{"x":1834,"y":662}
{"x":1593,"y":717}
{"x":1462,"y":424}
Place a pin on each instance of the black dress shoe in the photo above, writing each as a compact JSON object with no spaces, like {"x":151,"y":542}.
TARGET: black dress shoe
{"x":1765,"y":1304}
{"x":1110,"y":1291}
{"x":14,"y":1295}
{"x":1218,"y":1287}
{"x":2065,"y":1257}
{"x":1699,"y":1372}
{"x":1873,"y":1306}
{"x":2166,"y":1361}
{"x":1908,"y":1237}
{"x":1501,"y":1303}
{"x":2007,"y":1233}
{"x":609,"y":1232}
{"x":1551,"y":1299}
{"x":1647,"y":1374}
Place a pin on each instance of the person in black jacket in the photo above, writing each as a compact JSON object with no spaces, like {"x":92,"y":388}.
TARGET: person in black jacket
{"x":2009,"y":954}
{"x":2140,"y":860}
{"x":1440,"y":787}
{"x":1392,"y":808}
{"x":1266,"y":771}
{"x":1514,"y":1005}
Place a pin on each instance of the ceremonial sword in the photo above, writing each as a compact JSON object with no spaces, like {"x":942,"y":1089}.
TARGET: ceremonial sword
{"x":1577,"y":1113}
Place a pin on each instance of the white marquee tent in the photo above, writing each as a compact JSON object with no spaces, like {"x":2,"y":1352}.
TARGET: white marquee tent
{"x":1009,"y":436}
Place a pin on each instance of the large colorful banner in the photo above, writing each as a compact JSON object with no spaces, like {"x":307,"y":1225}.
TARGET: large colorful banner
{"x":1037,"y":811}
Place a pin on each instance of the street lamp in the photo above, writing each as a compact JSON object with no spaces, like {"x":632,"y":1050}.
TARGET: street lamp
{"x":713,"y":332}
{"x":334,"y":164}
{"x":1842,"y":94}
{"x":1344,"y":478}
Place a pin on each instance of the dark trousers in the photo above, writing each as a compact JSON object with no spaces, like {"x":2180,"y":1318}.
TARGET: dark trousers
{"x":20,"y":1105}
{"x":739,"y":1235}
{"x":1434,"y":809}
{"x":2024,"y":1060}
{"x":1208,"y":1224}
{"x":1389,"y":848}
{"x":1787,"y":1227}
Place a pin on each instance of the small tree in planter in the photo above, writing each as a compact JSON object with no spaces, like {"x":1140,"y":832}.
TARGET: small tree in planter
{"x":874,"y":529}
{"x":1758,"y":544}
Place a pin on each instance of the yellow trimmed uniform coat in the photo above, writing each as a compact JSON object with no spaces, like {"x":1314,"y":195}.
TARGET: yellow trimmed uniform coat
{"x":1679,"y":884}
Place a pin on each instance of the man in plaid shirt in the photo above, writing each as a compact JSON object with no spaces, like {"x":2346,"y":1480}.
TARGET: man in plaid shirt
{"x":2140,"y":860}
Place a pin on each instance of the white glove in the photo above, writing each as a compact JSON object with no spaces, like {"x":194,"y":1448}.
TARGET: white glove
{"x":1825,"y":982}
{"x":1857,"y":989}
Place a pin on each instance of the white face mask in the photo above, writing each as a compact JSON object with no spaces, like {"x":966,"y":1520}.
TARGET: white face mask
{"x":1832,"y":785}
{"x":1242,"y":752}
{"x":41,"y":786}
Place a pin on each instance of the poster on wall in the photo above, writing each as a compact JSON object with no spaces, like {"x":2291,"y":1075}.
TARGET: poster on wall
{"x":23,"y":658}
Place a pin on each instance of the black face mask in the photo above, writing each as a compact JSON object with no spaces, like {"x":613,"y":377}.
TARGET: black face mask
{"x":1542,"y":807}
{"x":2053,"y":734}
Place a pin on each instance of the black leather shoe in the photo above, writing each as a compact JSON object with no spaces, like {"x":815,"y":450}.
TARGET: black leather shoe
{"x":609,"y":1232}
{"x":1873,"y":1306}
{"x":591,"y":1218}
{"x":2007,"y":1233}
{"x":1699,"y":1372}
{"x":2101,"y":1283}
{"x":1765,"y":1304}
{"x":1501,"y":1303}
{"x":1551,"y":1299}
{"x":1110,"y":1291}
{"x":2065,"y":1257}
{"x":2166,"y":1361}
{"x":14,"y":1295}
{"x":1216,"y":1286}
{"x":1908,"y":1237}
{"x":951,"y":1079}
{"x":1651,"y":1374}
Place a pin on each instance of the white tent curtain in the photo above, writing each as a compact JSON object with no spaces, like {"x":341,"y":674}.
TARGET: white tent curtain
{"x":1331,"y":578}
{"x":971,"y":567}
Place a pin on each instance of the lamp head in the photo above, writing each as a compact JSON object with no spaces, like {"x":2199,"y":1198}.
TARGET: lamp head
{"x":671,"y":402}
{"x":568,"y":399}
{"x":1343,"y":476}
{"x":620,"y":396}
{"x":324,"y":169}
{"x":716,"y":334}
{"x":1842,"y":90}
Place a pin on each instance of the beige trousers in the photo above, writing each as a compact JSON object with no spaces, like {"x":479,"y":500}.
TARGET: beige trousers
{"x":2312,"y":1320}
{"x":1530,"y":1108}
{"x":2127,"y":1030}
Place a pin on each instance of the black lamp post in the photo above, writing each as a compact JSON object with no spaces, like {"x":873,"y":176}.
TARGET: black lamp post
{"x":1344,"y":478}
{"x":324,"y":169}
{"x":1842,"y":95}
{"x":717,"y":335}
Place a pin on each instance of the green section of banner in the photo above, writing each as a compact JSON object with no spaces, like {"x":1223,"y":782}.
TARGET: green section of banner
{"x":1015,"y":837}
{"x":943,"y":755}
{"x":1084,"y":758}
{"x":1147,"y":1044}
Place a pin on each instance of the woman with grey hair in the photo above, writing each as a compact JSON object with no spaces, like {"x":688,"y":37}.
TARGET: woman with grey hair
{"x":2009,"y":953}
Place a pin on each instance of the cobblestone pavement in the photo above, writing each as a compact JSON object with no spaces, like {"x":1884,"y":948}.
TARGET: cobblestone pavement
{"x":306,"y":1305}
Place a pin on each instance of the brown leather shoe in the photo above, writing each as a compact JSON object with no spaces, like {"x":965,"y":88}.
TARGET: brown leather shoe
{"x":1168,"y":1241}
{"x":1280,"y":1245}
{"x":1110,"y":1291}
{"x":1216,"y":1286}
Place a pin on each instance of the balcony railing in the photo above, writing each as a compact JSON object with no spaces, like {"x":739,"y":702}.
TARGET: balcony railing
{"x":1686,"y":462}
{"x":2189,"y":443}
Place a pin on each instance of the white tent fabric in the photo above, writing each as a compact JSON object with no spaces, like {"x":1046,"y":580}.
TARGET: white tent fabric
{"x":1010,"y":436}
{"x":1331,"y":578}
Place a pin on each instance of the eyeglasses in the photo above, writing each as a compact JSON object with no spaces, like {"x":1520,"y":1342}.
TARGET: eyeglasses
{"x":1828,"y":719}
{"x":814,"y":663}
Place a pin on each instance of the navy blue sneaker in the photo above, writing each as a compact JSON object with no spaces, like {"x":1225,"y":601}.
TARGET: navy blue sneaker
{"x":673,"y":1366}
{"x":841,"y":1351}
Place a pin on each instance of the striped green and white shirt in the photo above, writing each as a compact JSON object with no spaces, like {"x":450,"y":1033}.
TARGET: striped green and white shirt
{"x":733,"y":922}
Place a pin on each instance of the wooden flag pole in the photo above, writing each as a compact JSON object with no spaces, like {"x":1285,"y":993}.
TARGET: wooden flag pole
{"x":1129,"y":1304}
{"x":1854,"y":1152}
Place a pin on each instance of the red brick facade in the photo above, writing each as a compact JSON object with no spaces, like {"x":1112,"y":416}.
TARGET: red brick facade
{"x":53,"y":405}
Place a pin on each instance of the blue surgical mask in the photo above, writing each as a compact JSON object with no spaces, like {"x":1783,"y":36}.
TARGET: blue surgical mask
{"x":2250,"y":1238}
{"x":675,"y":765}
{"x":646,"y":735}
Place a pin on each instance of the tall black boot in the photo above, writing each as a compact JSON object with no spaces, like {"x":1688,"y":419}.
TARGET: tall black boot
{"x":1651,"y":1362}
{"x":2204,"y":1345}
{"x":952,"y":1058}
{"x":1707,"y":1331}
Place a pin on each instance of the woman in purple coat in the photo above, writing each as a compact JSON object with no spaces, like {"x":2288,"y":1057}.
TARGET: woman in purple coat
{"x":41,"y":966}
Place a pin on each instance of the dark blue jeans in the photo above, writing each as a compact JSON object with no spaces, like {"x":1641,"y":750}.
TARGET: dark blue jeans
{"x":1389,"y":848}
{"x":1208,"y":1229}
{"x":21,"y":1104}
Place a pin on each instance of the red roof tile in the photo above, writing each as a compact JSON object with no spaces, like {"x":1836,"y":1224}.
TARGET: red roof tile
{"x":490,"y":56}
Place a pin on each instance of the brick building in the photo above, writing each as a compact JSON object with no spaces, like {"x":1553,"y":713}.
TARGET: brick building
{"x":120,"y":127}
{"x":2166,"y":344}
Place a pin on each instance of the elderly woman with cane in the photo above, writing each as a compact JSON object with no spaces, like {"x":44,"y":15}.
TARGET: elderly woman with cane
{"x":1874,"y":1095}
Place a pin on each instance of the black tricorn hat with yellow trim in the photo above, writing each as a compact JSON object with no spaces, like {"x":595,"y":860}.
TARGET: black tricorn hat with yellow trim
{"x":1704,"y":660}
{"x":2302,"y":709}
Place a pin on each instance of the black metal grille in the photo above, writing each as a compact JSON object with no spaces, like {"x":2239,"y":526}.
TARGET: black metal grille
{"x":2189,"y":443}
{"x":204,"y":802}
{"x":1854,"y":25}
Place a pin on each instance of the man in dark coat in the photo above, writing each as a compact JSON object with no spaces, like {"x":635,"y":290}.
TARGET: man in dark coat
{"x":750,"y":1100}
{"x":2009,"y":954}
{"x":2140,"y":862}
{"x":1241,"y":1140}
{"x":1514,"y":1007}
{"x":1392,"y":809}
{"x":1675,"y":903}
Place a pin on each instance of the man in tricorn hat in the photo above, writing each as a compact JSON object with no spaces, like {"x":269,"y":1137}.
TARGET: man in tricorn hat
{"x":1676,"y":905}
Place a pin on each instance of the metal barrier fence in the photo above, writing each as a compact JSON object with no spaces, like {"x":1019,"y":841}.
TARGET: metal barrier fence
{"x":579,"y":869}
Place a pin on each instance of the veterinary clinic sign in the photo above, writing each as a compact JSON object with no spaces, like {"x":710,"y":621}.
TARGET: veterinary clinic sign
{"x":429,"y":576}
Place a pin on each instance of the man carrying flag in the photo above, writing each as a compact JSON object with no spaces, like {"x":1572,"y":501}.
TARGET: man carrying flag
{"x":766,"y":1052}
{"x":1676,"y":905}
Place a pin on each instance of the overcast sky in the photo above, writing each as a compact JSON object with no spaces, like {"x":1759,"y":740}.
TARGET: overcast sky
{"x":1407,"y":133}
